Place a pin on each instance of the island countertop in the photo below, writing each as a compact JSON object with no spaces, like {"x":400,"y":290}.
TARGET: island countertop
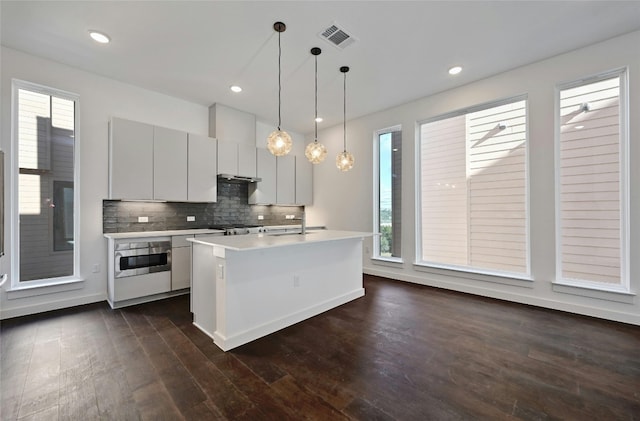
{"x":261,"y":241}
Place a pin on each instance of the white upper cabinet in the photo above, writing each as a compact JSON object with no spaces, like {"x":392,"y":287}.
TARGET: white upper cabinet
{"x":202,"y":172}
{"x":169,"y":164}
{"x":264,"y":191}
{"x":286,"y":180}
{"x":304,"y":181}
{"x":156,"y":163}
{"x":130,"y":160}
{"x":230,"y":125}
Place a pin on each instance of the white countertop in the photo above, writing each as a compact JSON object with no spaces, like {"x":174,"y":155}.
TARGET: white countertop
{"x":145,"y":234}
{"x":260,"y":241}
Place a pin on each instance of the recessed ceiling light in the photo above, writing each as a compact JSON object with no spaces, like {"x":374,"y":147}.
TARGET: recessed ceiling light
{"x":99,"y":37}
{"x":455,"y":70}
{"x":318,"y":119}
{"x":235,"y":88}
{"x":579,"y":127}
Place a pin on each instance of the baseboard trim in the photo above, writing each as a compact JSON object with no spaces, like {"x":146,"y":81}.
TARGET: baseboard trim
{"x":50,"y":306}
{"x":483,"y":291}
{"x":226,"y":343}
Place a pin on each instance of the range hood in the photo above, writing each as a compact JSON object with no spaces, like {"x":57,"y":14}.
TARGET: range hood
{"x":230,"y":178}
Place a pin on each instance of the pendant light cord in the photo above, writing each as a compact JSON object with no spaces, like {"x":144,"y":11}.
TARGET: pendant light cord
{"x":279,"y":81}
{"x":316,"y":95}
{"x":344,"y":128}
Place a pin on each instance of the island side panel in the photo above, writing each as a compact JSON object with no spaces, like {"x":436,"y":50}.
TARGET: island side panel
{"x":203,"y":291}
{"x":271,"y":288}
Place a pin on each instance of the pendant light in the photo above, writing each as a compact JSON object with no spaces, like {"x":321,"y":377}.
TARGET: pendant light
{"x":316,"y":152}
{"x":344,"y":160}
{"x":279,"y":142}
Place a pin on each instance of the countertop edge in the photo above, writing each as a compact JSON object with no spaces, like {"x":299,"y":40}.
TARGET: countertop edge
{"x":262,"y":241}
{"x":168,"y":233}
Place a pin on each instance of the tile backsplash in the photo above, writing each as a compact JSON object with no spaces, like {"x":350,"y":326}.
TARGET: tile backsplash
{"x":232,"y":207}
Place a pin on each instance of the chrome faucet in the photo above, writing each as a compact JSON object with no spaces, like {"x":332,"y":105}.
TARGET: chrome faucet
{"x":303,"y":221}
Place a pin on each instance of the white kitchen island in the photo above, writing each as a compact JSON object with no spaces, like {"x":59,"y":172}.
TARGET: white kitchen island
{"x":248,"y":286}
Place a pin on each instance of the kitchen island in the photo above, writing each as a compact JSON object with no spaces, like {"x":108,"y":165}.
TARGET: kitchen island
{"x":246,"y":287}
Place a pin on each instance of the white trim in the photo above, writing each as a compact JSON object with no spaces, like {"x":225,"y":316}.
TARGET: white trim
{"x":594,"y":290}
{"x":32,"y":286}
{"x":418,"y":182}
{"x":508,"y":278}
{"x":582,"y":287}
{"x":44,"y":287}
{"x":485,"y":290}
{"x":387,"y":261}
{"x":376,"y":190}
{"x":229,"y":342}
{"x":50,"y":305}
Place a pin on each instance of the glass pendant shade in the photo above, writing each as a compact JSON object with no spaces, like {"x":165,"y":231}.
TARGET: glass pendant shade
{"x":279,"y":143}
{"x":344,"y":161}
{"x":315,"y":152}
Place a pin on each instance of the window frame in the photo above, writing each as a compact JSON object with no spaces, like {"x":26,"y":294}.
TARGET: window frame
{"x":21,"y":288}
{"x":581,"y":287}
{"x":496,"y":275}
{"x":376,"y":195}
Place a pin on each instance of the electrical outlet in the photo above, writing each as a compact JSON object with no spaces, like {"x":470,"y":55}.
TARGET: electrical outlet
{"x":191,"y":218}
{"x":260,"y":217}
{"x":366,"y":249}
{"x":96,"y":268}
{"x":296,"y":281}
{"x":143,"y":219}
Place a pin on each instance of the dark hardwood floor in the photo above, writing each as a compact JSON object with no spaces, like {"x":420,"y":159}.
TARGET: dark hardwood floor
{"x":402,"y":352}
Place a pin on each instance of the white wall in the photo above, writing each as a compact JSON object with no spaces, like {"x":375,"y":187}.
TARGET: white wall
{"x":100,"y":98}
{"x":344,"y":200}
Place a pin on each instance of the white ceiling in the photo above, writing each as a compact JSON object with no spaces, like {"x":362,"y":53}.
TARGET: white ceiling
{"x":196,"y":50}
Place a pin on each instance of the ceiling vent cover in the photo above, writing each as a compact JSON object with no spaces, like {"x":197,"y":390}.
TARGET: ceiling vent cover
{"x":337,"y":36}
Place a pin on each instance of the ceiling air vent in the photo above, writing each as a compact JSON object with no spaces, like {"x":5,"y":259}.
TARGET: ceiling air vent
{"x":337,"y":36}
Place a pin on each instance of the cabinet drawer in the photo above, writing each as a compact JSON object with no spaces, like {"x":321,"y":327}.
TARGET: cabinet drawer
{"x":142,"y":285}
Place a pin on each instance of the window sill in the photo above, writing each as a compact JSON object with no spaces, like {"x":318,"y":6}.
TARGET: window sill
{"x":51,"y":286}
{"x":594,"y":291}
{"x":513,"y":279}
{"x":387,"y":261}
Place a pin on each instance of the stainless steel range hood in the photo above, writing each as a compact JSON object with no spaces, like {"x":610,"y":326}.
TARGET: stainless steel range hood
{"x":230,"y":178}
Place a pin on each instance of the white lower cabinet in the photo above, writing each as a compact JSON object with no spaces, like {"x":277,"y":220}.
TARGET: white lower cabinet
{"x":180,"y":262}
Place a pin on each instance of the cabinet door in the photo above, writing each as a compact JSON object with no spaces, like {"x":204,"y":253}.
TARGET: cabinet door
{"x":227,"y":157}
{"x":304,"y":181}
{"x":169,"y":164}
{"x":180,"y":268}
{"x":202,"y":180}
{"x":246,"y":160}
{"x":286,"y":180}
{"x":130,"y":160}
{"x":264,"y":192}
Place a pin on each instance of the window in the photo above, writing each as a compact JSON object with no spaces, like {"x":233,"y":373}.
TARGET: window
{"x":45,"y":135}
{"x":388,"y":193}
{"x":473,"y":190}
{"x":591,"y":177}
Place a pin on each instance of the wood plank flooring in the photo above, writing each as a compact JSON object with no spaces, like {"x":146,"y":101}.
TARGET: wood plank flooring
{"x":402,"y":352}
